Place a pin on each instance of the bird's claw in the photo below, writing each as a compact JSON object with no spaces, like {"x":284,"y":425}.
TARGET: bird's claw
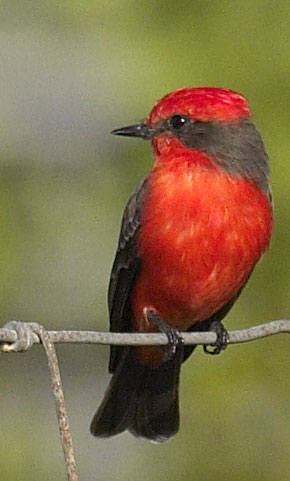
{"x":221,"y":340}
{"x":174,"y":339}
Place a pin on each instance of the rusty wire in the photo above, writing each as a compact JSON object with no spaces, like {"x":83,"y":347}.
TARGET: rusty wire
{"x":18,"y":336}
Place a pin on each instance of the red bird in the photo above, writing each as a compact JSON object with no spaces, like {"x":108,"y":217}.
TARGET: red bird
{"x":191,"y":235}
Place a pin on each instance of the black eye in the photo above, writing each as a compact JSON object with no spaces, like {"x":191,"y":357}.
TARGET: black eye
{"x":177,"y":121}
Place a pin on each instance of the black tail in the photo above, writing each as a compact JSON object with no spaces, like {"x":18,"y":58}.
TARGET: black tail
{"x":140,"y":399}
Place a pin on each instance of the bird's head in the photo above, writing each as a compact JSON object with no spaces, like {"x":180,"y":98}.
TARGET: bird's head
{"x":211,"y":120}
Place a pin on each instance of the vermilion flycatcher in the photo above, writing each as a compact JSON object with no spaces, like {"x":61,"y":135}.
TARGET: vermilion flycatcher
{"x":191,"y":235}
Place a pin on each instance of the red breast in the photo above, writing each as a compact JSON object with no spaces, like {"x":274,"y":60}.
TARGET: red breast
{"x":202,"y":233}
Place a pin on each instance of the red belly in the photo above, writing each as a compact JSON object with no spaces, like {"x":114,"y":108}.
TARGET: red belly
{"x":202,"y":233}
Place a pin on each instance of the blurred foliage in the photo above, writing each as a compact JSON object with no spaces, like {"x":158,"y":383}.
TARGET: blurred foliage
{"x":70,"y":72}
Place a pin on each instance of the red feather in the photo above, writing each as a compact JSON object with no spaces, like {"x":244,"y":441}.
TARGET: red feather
{"x":202,"y":233}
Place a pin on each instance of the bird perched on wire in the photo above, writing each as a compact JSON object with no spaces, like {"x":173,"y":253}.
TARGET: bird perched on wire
{"x":191,"y":235}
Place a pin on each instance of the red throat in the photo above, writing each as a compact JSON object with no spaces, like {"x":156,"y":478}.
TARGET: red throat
{"x":202,"y":233}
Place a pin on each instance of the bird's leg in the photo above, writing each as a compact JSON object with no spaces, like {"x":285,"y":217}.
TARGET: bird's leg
{"x":222,"y":338}
{"x":174,"y":340}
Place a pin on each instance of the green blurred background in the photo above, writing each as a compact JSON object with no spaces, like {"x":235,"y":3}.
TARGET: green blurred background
{"x":71,"y":71}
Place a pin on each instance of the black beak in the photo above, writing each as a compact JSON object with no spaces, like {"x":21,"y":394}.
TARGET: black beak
{"x":142,"y":131}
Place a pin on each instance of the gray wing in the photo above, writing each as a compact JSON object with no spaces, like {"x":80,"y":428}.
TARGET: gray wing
{"x":124,"y":271}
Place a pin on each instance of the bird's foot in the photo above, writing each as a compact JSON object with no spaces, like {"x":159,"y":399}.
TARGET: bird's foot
{"x":174,"y":339}
{"x":221,"y":340}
